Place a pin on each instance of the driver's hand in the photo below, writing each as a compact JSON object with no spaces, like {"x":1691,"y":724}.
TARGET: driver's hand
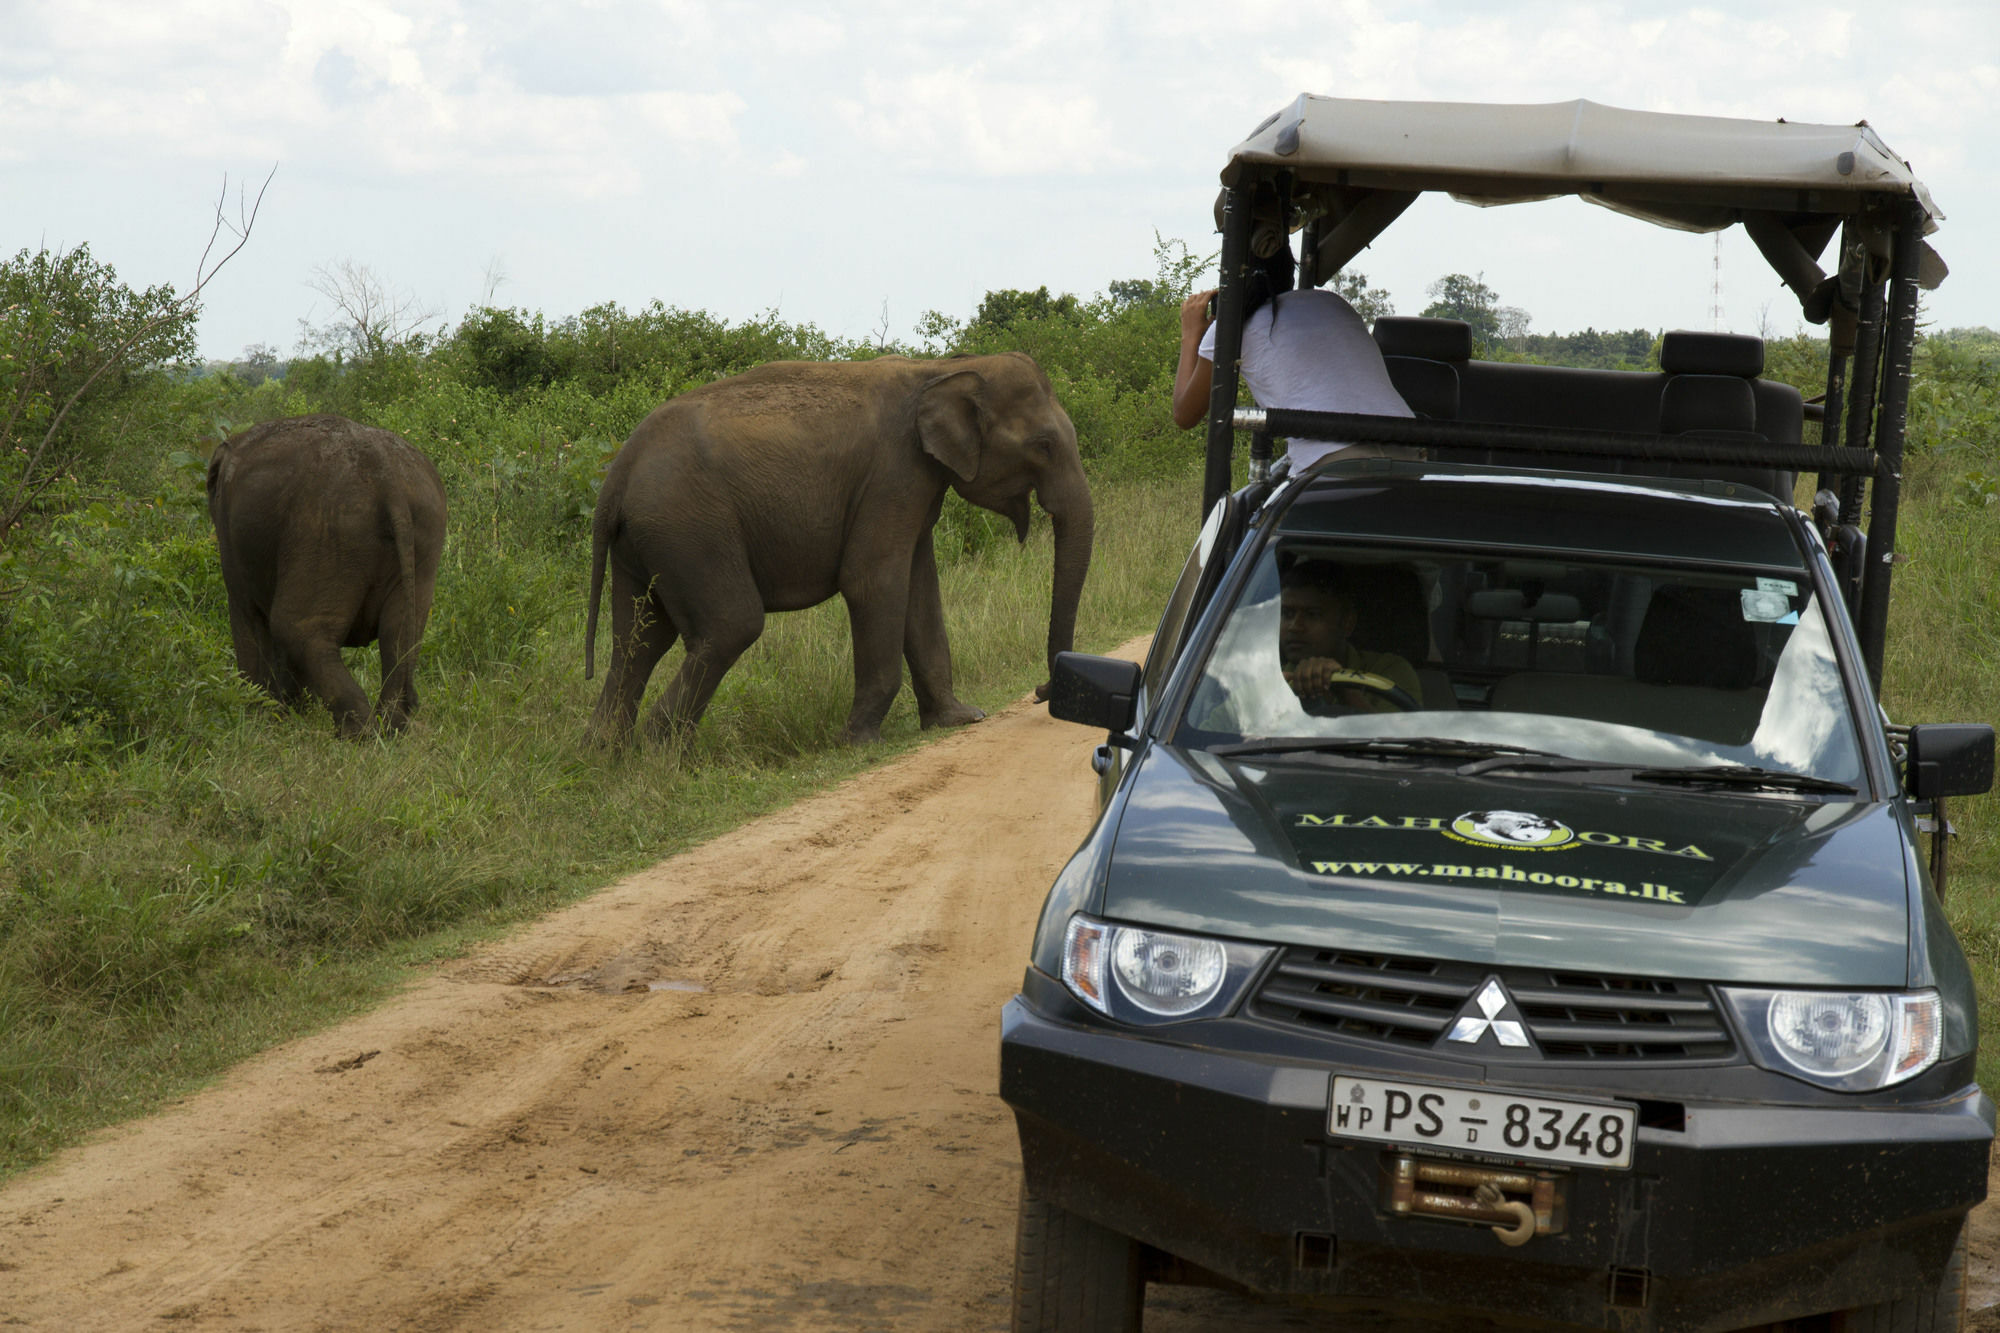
{"x":1312,"y":678}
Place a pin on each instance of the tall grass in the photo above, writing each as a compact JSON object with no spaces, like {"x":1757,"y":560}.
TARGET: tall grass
{"x":1943,"y":665}
{"x":188,"y":873}
{"x":223,"y":874}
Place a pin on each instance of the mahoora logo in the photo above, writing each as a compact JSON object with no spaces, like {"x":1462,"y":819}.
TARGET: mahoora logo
{"x":1512,"y":828}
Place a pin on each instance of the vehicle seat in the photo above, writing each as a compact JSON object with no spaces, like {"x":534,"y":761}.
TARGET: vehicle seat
{"x":1423,"y":357}
{"x":1711,"y":393}
{"x":1696,"y":636}
{"x":1391,"y":616}
{"x":1695,"y":674}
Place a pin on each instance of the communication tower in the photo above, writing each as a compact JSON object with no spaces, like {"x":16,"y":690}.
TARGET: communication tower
{"x":1715,"y":290}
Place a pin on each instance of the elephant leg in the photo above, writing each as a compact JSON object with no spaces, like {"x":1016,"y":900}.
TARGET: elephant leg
{"x":926,"y":648}
{"x":720,"y":628}
{"x":641,"y":634}
{"x":262,"y":659}
{"x":256,"y":656}
{"x":316,"y":659}
{"x":399,"y":632}
{"x":878,"y":606}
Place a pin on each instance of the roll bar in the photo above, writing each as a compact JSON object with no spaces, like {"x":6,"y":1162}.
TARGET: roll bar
{"x":1883,"y":341}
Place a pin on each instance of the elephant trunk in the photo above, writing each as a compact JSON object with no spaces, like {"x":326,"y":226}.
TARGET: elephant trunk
{"x":1069,"y":510}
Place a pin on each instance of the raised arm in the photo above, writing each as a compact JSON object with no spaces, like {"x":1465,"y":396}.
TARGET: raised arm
{"x":1193,"y":375}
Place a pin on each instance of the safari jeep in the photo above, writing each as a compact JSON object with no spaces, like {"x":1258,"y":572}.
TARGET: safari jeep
{"x":1574,"y":954}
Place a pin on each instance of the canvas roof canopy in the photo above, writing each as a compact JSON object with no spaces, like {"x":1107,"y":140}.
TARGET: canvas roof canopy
{"x":1357,"y":164}
{"x":1341,"y":170}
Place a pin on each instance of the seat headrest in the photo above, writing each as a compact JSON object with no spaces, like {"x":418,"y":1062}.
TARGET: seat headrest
{"x":1432,"y":339}
{"x":1430,"y":388}
{"x":1695,"y":636}
{"x":1707,"y":403}
{"x":1389,"y":610}
{"x":1687,"y":352}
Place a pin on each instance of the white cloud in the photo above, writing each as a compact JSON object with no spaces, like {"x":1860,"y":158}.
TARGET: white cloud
{"x":1028,"y":141}
{"x":959,"y":121}
{"x":368,"y":85}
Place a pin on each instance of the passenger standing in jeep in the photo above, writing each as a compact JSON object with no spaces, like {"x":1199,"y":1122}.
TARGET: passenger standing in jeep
{"x":1304,"y":348}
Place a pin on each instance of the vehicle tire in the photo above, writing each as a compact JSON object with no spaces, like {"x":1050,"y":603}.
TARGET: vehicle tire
{"x":1939,"y":1311}
{"x":1072,"y":1275}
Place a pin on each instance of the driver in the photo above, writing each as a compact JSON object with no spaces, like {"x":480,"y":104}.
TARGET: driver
{"x":1315,"y":617}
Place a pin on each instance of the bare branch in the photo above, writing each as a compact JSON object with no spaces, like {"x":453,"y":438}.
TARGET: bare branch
{"x":372,"y":317}
{"x":496,"y":274}
{"x":35,"y":476}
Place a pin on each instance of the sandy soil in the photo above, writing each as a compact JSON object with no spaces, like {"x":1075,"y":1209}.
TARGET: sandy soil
{"x":750,"y":1088}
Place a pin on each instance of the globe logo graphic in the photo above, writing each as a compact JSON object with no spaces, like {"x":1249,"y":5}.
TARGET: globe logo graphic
{"x":1513,"y":828}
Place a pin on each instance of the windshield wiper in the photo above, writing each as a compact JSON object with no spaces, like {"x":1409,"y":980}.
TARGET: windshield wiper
{"x":1380,"y":747}
{"x":1536,"y":764}
{"x":1743,"y":775}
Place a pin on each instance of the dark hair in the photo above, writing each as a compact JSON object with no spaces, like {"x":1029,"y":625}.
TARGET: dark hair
{"x":1322,"y":575}
{"x":1268,"y":277}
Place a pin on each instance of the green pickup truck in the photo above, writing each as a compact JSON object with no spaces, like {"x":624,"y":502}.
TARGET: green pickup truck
{"x":1573,"y":955}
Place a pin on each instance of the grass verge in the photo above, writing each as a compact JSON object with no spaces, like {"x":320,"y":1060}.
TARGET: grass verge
{"x":186,"y":905}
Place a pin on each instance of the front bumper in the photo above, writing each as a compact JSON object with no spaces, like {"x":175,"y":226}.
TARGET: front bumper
{"x":1747,"y":1213}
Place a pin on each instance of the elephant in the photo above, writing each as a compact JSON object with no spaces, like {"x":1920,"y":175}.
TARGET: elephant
{"x":330,"y":534}
{"x":774,"y":489}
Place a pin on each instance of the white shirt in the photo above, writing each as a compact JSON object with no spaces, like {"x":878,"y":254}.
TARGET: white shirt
{"x":1321,"y":360}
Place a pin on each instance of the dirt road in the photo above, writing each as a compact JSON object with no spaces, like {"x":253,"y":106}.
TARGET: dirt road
{"x":750,"y":1088}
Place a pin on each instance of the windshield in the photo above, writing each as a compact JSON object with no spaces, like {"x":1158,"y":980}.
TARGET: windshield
{"x":1644,"y":665}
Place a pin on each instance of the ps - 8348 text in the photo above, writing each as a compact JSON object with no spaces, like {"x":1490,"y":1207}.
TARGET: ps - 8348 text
{"x":1483,"y":1120}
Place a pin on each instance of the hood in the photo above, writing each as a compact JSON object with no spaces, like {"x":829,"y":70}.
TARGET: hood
{"x":1706,"y":885}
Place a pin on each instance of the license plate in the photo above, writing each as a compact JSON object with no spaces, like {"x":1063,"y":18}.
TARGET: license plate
{"x":1481,"y":1120}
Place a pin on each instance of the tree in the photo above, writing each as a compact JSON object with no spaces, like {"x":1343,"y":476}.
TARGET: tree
{"x":1126,"y":293}
{"x":1456,"y":296}
{"x":72,"y":337}
{"x":1371,"y":302}
{"x":1007,"y":307}
{"x":259,"y":363}
{"x":370,"y":317}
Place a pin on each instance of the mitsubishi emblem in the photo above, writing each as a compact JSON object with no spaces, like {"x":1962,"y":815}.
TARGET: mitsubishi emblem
{"x":1491,"y":1002}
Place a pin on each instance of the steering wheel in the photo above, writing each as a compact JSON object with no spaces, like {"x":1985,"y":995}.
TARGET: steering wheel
{"x":1325,"y":705}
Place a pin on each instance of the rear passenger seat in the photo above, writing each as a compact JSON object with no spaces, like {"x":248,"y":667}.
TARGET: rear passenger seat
{"x":1695,"y":673}
{"x":1708,"y":385}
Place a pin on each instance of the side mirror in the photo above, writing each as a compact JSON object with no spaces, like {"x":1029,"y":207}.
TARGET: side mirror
{"x":1096,"y":691}
{"x":1949,"y":759}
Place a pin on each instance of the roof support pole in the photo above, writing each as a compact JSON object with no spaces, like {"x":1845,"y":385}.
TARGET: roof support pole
{"x":1835,"y":400}
{"x":1900,"y":341}
{"x":1867,"y":375}
{"x":1842,"y":327}
{"x":1260,"y":443}
{"x":1228,"y":342}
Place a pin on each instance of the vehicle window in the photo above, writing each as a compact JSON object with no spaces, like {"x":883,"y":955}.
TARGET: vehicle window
{"x":1173,"y":622}
{"x":1615,"y":662}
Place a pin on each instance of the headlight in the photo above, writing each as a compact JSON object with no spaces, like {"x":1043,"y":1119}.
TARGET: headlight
{"x":1850,"y":1041}
{"x":1152,"y":976}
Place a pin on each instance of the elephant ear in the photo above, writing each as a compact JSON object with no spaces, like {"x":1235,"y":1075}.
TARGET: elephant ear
{"x":948,"y":413}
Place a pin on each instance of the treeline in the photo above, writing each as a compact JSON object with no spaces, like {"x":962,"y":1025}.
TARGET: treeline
{"x":186,"y":874}
{"x":112,"y":625}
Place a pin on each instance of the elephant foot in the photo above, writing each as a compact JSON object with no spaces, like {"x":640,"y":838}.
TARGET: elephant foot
{"x":954,"y":715}
{"x":860,"y":735}
{"x":1042,"y":691}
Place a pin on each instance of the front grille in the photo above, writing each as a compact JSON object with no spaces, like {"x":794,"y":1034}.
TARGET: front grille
{"x":1572,"y":1016}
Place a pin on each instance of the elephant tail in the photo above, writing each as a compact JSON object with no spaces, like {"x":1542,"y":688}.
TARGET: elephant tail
{"x":406,"y":544}
{"x":597,"y":544}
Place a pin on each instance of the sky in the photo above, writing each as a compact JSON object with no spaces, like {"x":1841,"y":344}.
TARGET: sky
{"x":855,"y":166}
